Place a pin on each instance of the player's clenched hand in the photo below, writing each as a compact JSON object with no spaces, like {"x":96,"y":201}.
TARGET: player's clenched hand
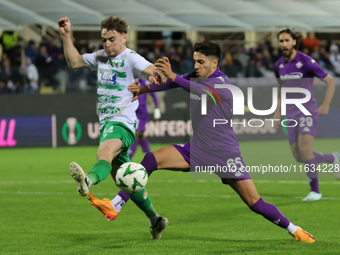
{"x":164,"y":65}
{"x":64,"y":26}
{"x":157,"y":78}
{"x":134,"y":88}
{"x":323,"y":110}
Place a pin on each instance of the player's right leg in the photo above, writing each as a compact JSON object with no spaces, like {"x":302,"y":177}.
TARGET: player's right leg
{"x":248,"y":193}
{"x":107,"y":150}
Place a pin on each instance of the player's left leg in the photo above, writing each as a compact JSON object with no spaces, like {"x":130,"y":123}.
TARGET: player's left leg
{"x":247,"y":191}
{"x":305,"y":144}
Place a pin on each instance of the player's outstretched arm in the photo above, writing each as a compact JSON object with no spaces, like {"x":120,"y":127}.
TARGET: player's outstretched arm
{"x":73,"y":58}
{"x":137,"y":90}
{"x":324,"y":107}
{"x":156,"y":77}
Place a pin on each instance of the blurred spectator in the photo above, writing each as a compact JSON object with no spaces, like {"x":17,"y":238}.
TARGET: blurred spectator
{"x":266,"y":60}
{"x":310,"y":42}
{"x":242,"y":56}
{"x":228,"y":67}
{"x":43,"y":62}
{"x":9,"y":41}
{"x":31,"y":76}
{"x":252,"y":69}
{"x":3,"y":83}
{"x":14,"y":78}
{"x":334,"y":58}
{"x":31,"y":50}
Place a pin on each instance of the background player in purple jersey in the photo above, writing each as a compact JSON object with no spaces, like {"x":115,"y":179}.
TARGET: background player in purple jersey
{"x":220,"y":145}
{"x":142,"y":118}
{"x":295,"y":69}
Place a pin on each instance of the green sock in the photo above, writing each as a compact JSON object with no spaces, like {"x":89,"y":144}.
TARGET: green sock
{"x":100,"y":171}
{"x":143,"y":201}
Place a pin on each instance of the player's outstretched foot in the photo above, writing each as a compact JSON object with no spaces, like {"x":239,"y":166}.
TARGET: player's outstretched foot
{"x":303,"y":236}
{"x":105,"y":206}
{"x":313,"y":196}
{"x":157,"y":230}
{"x":79,"y":176}
{"x":336,"y":165}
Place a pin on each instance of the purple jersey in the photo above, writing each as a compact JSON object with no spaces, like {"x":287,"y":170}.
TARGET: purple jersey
{"x":219,"y":140}
{"x":299,"y":72}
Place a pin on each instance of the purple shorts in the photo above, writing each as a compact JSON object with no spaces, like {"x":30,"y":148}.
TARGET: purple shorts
{"x":223,"y":166}
{"x":305,"y":125}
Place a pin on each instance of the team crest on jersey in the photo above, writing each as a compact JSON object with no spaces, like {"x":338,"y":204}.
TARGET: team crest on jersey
{"x":108,"y":78}
{"x":117,"y":63}
{"x":281,"y":66}
{"x":299,"y":65}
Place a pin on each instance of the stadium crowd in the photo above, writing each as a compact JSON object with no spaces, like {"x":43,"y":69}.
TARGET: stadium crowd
{"x":44,"y":68}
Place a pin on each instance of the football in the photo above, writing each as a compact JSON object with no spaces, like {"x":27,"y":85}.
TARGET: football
{"x":131,"y":177}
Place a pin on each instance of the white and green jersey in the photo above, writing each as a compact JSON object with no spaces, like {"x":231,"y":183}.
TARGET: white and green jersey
{"x":114,"y":75}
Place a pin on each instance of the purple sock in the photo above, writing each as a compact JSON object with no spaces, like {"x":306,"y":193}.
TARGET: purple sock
{"x":125,"y":196}
{"x":145,"y":145}
{"x":320,"y":157}
{"x":312,"y":175}
{"x":149,"y":162}
{"x":270,"y":212}
{"x":133,"y":148}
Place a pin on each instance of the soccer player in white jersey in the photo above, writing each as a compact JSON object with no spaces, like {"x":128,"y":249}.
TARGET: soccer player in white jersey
{"x":117,"y":67}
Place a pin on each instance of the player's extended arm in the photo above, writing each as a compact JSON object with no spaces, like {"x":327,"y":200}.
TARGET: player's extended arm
{"x":164,"y":65}
{"x":156,"y":77}
{"x":73,"y":58}
{"x":324,"y":107}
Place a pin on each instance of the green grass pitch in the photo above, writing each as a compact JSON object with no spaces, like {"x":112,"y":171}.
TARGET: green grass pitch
{"x":41,"y":213}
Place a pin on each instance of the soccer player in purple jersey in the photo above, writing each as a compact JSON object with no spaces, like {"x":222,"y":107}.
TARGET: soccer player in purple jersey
{"x":142,"y":118}
{"x":295,"y":69}
{"x":222,"y":143}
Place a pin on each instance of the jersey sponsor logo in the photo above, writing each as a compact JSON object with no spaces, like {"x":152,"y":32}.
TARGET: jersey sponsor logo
{"x":291,"y":76}
{"x":108,"y":78}
{"x":299,"y":65}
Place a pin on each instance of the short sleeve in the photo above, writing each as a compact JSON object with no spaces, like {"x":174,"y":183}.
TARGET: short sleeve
{"x":317,"y":70}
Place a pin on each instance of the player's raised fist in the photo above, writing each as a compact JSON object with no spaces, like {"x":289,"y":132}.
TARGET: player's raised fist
{"x":64,"y":26}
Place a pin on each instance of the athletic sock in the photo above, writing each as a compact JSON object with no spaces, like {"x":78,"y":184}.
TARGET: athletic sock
{"x":312,"y":174}
{"x":117,"y":203}
{"x":133,"y":148}
{"x":291,"y":228}
{"x":145,"y":145}
{"x":270,"y":212}
{"x":100,"y":171}
{"x":320,"y":157}
{"x":149,"y":162}
{"x":143,"y":201}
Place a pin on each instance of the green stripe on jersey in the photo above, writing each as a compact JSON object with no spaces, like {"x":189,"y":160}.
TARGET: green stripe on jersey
{"x":116,"y":87}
